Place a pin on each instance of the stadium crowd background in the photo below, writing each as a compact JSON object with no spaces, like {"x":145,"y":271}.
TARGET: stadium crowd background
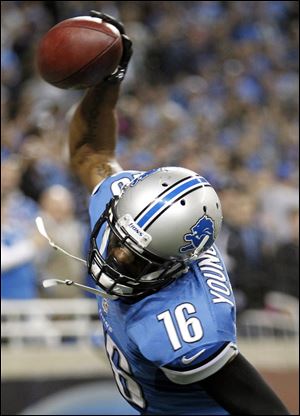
{"x":212,"y":86}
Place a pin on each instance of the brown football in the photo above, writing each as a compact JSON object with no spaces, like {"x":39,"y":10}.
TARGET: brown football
{"x":79,"y":52}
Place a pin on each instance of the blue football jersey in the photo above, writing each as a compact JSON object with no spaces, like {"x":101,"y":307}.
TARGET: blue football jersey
{"x":160,"y":346}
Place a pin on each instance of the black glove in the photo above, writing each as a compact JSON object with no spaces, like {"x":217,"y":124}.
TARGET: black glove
{"x":120,"y":72}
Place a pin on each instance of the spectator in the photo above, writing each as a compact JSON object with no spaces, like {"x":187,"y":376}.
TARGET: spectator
{"x":283,"y":197}
{"x":57,"y":211}
{"x":245,"y":246}
{"x":19,"y":241}
{"x":285,"y":264}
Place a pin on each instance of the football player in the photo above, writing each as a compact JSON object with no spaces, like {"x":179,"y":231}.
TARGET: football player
{"x":169,"y":312}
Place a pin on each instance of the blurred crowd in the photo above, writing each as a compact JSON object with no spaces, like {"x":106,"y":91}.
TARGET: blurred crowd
{"x":212,"y":86}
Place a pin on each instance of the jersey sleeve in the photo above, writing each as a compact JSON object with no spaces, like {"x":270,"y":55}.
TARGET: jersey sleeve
{"x":200,"y":363}
{"x":107,"y":189}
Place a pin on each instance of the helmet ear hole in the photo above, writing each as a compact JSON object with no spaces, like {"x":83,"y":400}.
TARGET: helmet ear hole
{"x":204,"y":209}
{"x":164,"y":184}
{"x":182,"y":202}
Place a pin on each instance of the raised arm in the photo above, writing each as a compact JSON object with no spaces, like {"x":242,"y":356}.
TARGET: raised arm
{"x":93,"y":135}
{"x":93,"y":127}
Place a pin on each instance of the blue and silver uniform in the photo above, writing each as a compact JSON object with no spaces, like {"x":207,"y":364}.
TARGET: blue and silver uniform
{"x":159,"y":347}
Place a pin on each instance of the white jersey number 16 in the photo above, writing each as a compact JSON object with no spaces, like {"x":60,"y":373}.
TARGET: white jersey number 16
{"x":190,"y":329}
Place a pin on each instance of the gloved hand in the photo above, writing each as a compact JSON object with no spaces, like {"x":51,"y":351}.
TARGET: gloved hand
{"x":120,"y":72}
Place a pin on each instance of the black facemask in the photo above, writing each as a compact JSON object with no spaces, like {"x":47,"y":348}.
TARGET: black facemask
{"x":127,"y":276}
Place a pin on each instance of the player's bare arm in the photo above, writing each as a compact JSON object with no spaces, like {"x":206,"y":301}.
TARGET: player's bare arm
{"x":93,"y":128}
{"x":93,"y":134}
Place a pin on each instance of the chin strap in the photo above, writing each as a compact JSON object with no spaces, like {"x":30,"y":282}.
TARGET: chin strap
{"x":53,"y":282}
{"x":198,"y":250}
{"x":42,"y":230}
{"x":67,"y":282}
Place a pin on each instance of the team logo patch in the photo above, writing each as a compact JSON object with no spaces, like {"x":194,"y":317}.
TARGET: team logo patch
{"x":105,"y":305}
{"x":203,"y":227}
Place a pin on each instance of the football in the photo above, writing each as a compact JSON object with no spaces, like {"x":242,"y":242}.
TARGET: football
{"x":79,"y":52}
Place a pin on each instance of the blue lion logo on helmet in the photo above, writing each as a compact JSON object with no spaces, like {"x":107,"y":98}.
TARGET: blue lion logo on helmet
{"x":203,"y":227}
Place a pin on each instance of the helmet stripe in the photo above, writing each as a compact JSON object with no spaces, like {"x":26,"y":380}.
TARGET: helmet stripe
{"x":168,"y":206}
{"x":159,"y":204}
{"x":163,"y":193}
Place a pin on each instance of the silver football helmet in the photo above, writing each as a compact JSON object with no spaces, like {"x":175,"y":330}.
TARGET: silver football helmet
{"x":149,"y":234}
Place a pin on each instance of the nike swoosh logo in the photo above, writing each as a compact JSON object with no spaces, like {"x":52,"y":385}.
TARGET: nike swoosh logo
{"x":185,"y":360}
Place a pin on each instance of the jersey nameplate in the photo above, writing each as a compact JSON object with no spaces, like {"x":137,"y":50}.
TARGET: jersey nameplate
{"x":212,"y":269}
